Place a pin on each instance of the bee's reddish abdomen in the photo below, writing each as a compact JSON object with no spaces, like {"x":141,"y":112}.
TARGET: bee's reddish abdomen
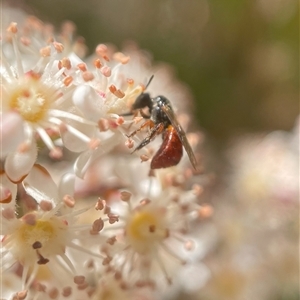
{"x":170,"y":151}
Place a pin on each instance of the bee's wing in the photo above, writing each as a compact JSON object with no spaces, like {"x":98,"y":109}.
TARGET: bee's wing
{"x":169,"y":112}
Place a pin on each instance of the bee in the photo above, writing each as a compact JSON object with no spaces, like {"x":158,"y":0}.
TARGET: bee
{"x":162,"y":120}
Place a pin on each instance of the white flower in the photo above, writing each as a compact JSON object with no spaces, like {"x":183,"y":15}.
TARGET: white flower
{"x":267,"y":167}
{"x":150,"y":240}
{"x":43,"y":240}
{"x":36,"y":101}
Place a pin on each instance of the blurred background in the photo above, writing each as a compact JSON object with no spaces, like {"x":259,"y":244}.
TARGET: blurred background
{"x":240,"y":58}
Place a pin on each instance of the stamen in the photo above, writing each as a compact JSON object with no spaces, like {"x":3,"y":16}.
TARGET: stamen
{"x":103,"y":125}
{"x":205,"y":211}
{"x":112,"y":240}
{"x":165,"y":248}
{"x":66,"y":63}
{"x":70,"y":116}
{"x":37,"y":245}
{"x":46,"y":205}
{"x":144,"y":158}
{"x":58,"y":47}
{"x":106,"y":71}
{"x":100,"y":204}
{"x":67,"y":291}
{"x":68,"y":80}
{"x":26,"y":41}
{"x":197,"y":189}
{"x":56,"y":153}
{"x":102,"y":50}
{"x":129,"y":143}
{"x":42,"y":260}
{"x":121,"y":57}
{"x":72,"y":130}
{"x":112,"y":89}
{"x":29,"y":219}
{"x":107,"y":209}
{"x":82,"y":249}
{"x":69,"y":201}
{"x":45,"y":138}
{"x":5,"y":195}
{"x":68,"y":28}
{"x":120,"y":94}
{"x":125,"y":196}
{"x":87,"y":76}
{"x":94,"y":144}
{"x":130,"y":82}
{"x":40,"y":287}
{"x":68,"y":262}
{"x":82,"y":286}
{"x":113,"y":218}
{"x":53,"y":293}
{"x":97,"y":226}
{"x":97,"y":63}
{"x":189,"y":245}
{"x":79,"y":279}
{"x":20,"y":295}
{"x":59,"y":260}
{"x":106,"y":261}
{"x":13,"y":29}
{"x":82,"y":67}
{"x":46,"y":51}
{"x":120,"y":121}
{"x":25,"y":274}
{"x":163,"y":268}
{"x":8,"y":213}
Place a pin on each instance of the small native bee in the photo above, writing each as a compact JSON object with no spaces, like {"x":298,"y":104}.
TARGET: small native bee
{"x":162,"y":120}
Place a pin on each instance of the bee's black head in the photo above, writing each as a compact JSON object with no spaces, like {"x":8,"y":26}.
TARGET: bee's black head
{"x":143,"y":100}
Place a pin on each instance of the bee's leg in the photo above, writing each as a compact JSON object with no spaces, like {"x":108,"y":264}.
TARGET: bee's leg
{"x":147,"y":123}
{"x":155,"y":130}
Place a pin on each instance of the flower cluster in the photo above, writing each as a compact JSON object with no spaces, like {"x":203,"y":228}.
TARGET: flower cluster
{"x":258,"y":250}
{"x":65,"y":124}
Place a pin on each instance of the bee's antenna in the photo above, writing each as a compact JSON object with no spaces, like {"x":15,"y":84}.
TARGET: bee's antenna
{"x":149,"y":82}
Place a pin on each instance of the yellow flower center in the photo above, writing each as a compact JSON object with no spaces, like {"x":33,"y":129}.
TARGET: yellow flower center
{"x":139,"y":227}
{"x":33,"y":237}
{"x":42,"y":231}
{"x":31,"y":99}
{"x":144,"y":229}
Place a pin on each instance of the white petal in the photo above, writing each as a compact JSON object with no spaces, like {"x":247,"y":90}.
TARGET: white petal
{"x":8,"y":191}
{"x":82,"y":163}
{"x":18,"y":164}
{"x":91,"y":104}
{"x":77,"y":137}
{"x":194,"y":276}
{"x":11,"y":125}
{"x":40,"y":185}
{"x":66,"y":185}
{"x":85,"y":159}
{"x":73,"y":143}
